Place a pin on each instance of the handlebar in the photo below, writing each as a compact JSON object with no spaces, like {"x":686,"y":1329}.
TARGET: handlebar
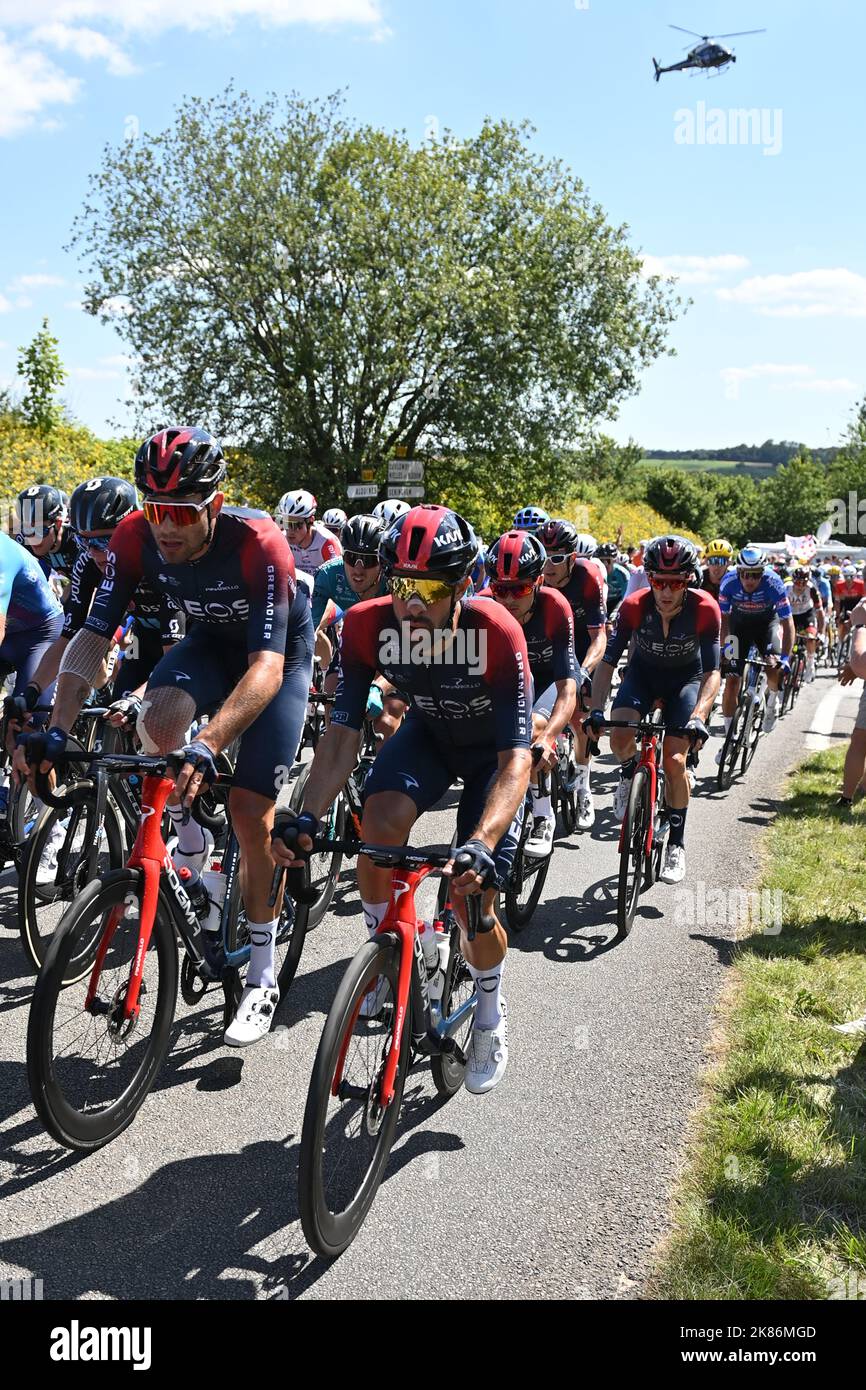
{"x":117,"y":763}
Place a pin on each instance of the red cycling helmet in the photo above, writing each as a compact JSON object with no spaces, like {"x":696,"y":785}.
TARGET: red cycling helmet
{"x":180,"y":460}
{"x":431,"y":541}
{"x":670,"y":555}
{"x":518,"y":555}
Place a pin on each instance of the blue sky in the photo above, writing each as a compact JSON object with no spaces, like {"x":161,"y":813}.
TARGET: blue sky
{"x":766,"y":233}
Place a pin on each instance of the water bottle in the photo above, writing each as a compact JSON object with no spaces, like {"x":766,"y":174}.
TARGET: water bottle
{"x":430,"y":947}
{"x":196,"y":892}
{"x":214,"y":881}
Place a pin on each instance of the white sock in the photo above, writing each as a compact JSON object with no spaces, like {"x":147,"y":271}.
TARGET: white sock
{"x":541,"y":806}
{"x":374,"y":915}
{"x":772,"y":697}
{"x":535,"y":793}
{"x":191,"y":842}
{"x":488,"y":989}
{"x":261,"y":972}
{"x":728,"y":720}
{"x":582,"y":776}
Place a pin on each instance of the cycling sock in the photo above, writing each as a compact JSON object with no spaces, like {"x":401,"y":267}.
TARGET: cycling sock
{"x":541,"y":806}
{"x":191,"y":842}
{"x":488,"y":987}
{"x":581,"y":776}
{"x":262,"y":973}
{"x":626,"y":769}
{"x":677,"y":823}
{"x":728,"y":720}
{"x":374,"y":914}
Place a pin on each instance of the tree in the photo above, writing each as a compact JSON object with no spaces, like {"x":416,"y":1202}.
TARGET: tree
{"x":326,"y":289}
{"x":794,"y":501}
{"x":43,"y":372}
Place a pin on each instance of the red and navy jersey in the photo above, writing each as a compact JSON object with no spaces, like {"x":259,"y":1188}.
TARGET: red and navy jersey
{"x":241,"y":588}
{"x":585,"y":596}
{"x":549,"y":636}
{"x":470,"y":689}
{"x":151,"y":611}
{"x":61,"y":560}
{"x":693,"y":636}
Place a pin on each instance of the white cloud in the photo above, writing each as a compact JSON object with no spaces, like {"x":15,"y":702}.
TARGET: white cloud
{"x":5,"y":306}
{"x":31,"y":282}
{"x":694,"y":270}
{"x":155,"y":16}
{"x":73,"y":304}
{"x":821,"y":384}
{"x":86,"y":44}
{"x":94,"y":373}
{"x":782,"y":376}
{"x":806,"y":294}
{"x":29,"y":82}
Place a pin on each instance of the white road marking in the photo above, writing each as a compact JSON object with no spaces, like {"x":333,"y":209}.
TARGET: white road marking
{"x":818,"y":734}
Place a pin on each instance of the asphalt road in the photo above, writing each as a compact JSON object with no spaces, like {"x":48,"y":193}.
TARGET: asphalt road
{"x":557,"y":1185}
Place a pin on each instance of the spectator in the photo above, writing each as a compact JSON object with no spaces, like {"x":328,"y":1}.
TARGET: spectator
{"x":854,"y":775}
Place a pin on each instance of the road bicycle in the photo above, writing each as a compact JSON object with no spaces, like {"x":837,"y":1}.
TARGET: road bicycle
{"x":792,"y":679}
{"x":643,"y":835}
{"x":741,"y":740}
{"x":95,"y":1045}
{"x":356,"y":1088}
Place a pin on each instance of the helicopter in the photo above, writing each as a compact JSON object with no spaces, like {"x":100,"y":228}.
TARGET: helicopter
{"x":706,"y":54}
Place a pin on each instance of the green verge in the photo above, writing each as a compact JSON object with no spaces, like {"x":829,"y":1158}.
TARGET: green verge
{"x":773,"y":1201}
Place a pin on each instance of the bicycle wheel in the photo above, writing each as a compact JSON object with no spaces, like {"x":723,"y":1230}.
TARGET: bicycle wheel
{"x":525,"y":881}
{"x":631,"y":855}
{"x":291,"y":934}
{"x":324,"y":868}
{"x":751,"y":732}
{"x":347,"y":1136}
{"x":731,"y":749}
{"x":41,"y":905}
{"x":458,"y":988}
{"x":88,"y":1072}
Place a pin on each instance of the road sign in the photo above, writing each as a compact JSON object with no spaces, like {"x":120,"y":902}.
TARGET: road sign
{"x":406,"y":471}
{"x":408,"y":492}
{"x":401,"y":451}
{"x":368,"y":475}
{"x":356,"y":490}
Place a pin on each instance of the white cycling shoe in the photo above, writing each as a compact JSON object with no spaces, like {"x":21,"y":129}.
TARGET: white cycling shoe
{"x":585,"y":809}
{"x":771,"y":714}
{"x":487,"y":1057}
{"x":254,"y":1016}
{"x":540,"y":841}
{"x":674,"y":867}
{"x":620,"y":797}
{"x":47,"y":871}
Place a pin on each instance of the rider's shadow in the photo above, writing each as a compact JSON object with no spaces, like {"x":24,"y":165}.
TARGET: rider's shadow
{"x":576,"y":930}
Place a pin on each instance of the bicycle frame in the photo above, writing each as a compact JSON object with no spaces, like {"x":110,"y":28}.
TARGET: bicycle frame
{"x":650,"y":749}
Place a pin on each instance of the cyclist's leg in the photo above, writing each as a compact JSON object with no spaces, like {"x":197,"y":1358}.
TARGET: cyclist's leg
{"x":22,"y":653}
{"x":855,"y":759}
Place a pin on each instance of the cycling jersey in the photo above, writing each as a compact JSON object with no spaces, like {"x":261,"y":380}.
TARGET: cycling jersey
{"x":617,"y":583}
{"x":323,"y":546}
{"x":481,"y":697}
{"x":152,"y":612}
{"x":709,"y":587}
{"x":769,"y":598}
{"x":637,"y":580}
{"x":848,"y":593}
{"x":803,"y":600}
{"x":26,"y":599}
{"x":332,"y":586}
{"x":549,"y":636}
{"x":585,"y":596}
{"x":693,"y":634}
{"x":241,"y":589}
{"x":823,"y":587}
{"x":58,"y":561}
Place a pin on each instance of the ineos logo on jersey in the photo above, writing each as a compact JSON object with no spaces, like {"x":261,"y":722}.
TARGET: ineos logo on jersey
{"x":218,"y":612}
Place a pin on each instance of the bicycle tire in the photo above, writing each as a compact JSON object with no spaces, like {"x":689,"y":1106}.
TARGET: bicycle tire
{"x":519,"y":913}
{"x":631,"y":858}
{"x":334,"y":827}
{"x":730,"y":751}
{"x":448,"y":1073}
{"x":329,"y":1233}
{"x":37,"y":922}
{"x":67,"y":1125}
{"x":749,"y":740}
{"x":294,"y":931}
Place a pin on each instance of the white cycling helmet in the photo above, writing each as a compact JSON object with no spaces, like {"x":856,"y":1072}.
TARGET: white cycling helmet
{"x":390,"y":509}
{"x":335,"y":519}
{"x":298,"y":505}
{"x":849,"y":571}
{"x":585,"y":545}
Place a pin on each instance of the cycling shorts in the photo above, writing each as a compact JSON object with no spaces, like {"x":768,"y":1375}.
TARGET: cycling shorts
{"x":208,"y":666}
{"x":847,"y":603}
{"x":22,"y":652}
{"x":805,"y":622}
{"x":642,"y":685}
{"x":415,"y":763}
{"x":543,"y":705}
{"x":139,"y":660}
{"x":766,"y":636}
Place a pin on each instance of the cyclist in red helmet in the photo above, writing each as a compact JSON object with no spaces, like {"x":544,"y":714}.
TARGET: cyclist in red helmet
{"x":463,"y":665}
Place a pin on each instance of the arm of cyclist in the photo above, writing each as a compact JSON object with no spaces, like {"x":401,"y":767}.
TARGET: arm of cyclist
{"x":563,"y":710}
{"x":789,"y":636}
{"x":503,"y":803}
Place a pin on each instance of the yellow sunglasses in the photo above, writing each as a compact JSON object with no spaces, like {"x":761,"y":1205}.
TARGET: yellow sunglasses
{"x":429,"y":591}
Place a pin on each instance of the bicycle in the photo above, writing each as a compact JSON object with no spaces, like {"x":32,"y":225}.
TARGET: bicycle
{"x":792,"y":680}
{"x":644,"y":831}
{"x":356,"y":1087}
{"x":741,"y":740}
{"x":94,"y":1050}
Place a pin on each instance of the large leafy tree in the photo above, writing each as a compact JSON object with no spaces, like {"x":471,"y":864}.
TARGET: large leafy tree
{"x":331,"y":292}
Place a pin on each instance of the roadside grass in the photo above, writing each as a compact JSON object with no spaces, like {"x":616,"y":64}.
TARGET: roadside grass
{"x":772,"y":1204}
{"x":726,"y":467}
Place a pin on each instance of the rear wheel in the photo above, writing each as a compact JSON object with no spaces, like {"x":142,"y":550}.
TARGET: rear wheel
{"x":324,"y":868}
{"x":458,"y":988}
{"x":525,"y":881}
{"x":731,"y":749}
{"x":631,"y":855}
{"x":347,"y":1135}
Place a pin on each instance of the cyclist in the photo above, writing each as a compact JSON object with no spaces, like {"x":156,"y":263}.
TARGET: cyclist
{"x":516,"y":564}
{"x":854,"y":774}
{"x":755,"y":608}
{"x":807,"y":611}
{"x":335,"y":519}
{"x":340,"y":584}
{"x":250,"y":646}
{"x":388,"y":511}
{"x":42,"y":525}
{"x":530,"y":519}
{"x":578,"y":581}
{"x":675,"y":659}
{"x":718,"y":557}
{"x":617,"y":575}
{"x":847,"y":593}
{"x":469,"y":718}
{"x":311,"y":545}
{"x":30,"y":620}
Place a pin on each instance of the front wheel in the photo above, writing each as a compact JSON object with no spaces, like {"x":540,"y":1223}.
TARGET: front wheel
{"x":631,"y":854}
{"x":525,"y":881}
{"x":89,"y":1070}
{"x":347,"y":1135}
{"x":324,"y":868}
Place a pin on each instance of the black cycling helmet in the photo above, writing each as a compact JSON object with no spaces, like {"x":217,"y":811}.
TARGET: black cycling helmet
{"x":39,"y":507}
{"x":100,"y":504}
{"x":362,"y":534}
{"x":518,"y":555}
{"x":559,"y":537}
{"x":671,"y":555}
{"x":431,"y":542}
{"x":180,"y":460}
{"x":608,"y":550}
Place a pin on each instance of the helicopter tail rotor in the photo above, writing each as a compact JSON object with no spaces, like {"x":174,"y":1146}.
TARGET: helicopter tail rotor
{"x":658,"y":70}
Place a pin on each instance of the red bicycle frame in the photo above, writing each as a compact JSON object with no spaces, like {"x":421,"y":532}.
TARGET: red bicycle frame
{"x":647,"y":759}
{"x":151,"y":856}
